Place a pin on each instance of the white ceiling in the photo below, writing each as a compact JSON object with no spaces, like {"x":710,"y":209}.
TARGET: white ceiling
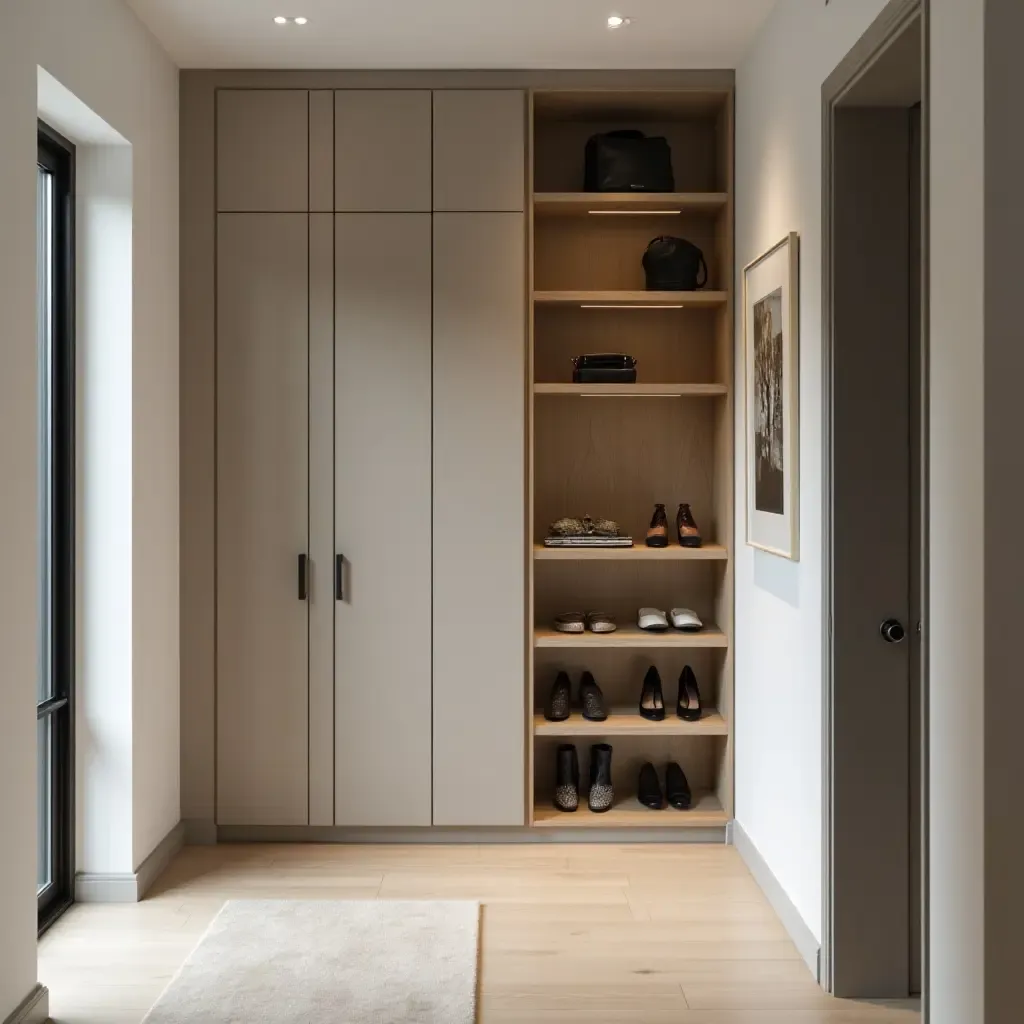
{"x":455,"y":33}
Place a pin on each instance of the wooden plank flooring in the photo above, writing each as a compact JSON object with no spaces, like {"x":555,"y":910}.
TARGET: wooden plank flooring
{"x":646,"y":934}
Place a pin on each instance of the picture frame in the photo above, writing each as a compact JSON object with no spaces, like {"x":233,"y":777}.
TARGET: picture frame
{"x":771,"y":346}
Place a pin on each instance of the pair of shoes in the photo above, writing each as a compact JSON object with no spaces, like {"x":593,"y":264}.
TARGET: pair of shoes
{"x":600,"y":795}
{"x":560,"y":699}
{"x":652,"y":700}
{"x":687,"y":533}
{"x":577,"y":622}
{"x":654,"y":620}
{"x":677,"y":789}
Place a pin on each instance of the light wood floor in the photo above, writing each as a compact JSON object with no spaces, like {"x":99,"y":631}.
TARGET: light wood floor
{"x":601,"y":934}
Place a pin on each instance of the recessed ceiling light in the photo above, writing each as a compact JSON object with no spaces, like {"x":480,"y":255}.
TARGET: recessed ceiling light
{"x":616,"y":21}
{"x":301,"y":21}
{"x":280,"y":20}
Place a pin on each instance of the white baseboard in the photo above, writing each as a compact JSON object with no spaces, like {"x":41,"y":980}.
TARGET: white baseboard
{"x":34,"y":1008}
{"x":803,"y":938}
{"x":200,"y":831}
{"x":130,"y":886}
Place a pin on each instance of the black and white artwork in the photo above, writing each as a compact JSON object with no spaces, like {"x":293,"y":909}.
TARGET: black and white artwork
{"x":771,"y":309}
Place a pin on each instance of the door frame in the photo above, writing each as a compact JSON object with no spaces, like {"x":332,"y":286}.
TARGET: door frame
{"x":886,"y":28}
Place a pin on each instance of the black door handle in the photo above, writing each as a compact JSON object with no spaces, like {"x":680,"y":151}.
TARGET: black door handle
{"x":339,"y":577}
{"x":892,"y":631}
{"x":303,"y":577}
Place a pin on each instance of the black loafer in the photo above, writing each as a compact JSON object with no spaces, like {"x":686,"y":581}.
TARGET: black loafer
{"x":677,"y":789}
{"x":652,"y":700}
{"x":592,"y":699}
{"x":688,"y":703}
{"x":557,"y":707}
{"x":648,"y":790}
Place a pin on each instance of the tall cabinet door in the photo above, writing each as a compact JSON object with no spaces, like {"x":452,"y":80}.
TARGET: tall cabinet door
{"x":262,"y":513}
{"x":382,"y":518}
{"x":479,"y":518}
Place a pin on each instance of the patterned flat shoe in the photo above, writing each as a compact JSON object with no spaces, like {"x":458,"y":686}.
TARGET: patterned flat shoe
{"x":601,"y":796}
{"x":592,"y":699}
{"x":567,"y":774}
{"x":557,"y":707}
{"x":570,"y":622}
{"x":600,"y":622}
{"x":585,"y":527}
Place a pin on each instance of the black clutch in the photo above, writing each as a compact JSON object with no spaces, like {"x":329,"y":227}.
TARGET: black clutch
{"x":604,"y":368}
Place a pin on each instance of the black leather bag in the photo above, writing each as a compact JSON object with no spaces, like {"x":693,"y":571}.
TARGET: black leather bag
{"x":628,"y":161}
{"x":674,"y":265}
{"x":604,"y":368}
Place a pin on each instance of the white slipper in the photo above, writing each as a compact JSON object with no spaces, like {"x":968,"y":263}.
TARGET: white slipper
{"x":687,"y":620}
{"x":653,"y":620}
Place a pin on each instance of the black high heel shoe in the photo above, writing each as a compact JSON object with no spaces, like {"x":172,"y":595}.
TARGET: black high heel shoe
{"x":557,"y":707}
{"x":688,"y":704}
{"x":677,"y":789}
{"x":567,"y":774}
{"x":652,"y":700}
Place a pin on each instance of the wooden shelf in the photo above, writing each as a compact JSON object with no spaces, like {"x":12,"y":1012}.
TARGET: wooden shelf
{"x":634,"y":390}
{"x":581,"y":204}
{"x":632,"y":299}
{"x":639,"y":552}
{"x":628,"y":812}
{"x":627,"y":722}
{"x":631,"y":637}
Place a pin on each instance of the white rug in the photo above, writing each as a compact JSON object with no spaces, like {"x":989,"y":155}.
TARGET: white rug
{"x":329,"y":962}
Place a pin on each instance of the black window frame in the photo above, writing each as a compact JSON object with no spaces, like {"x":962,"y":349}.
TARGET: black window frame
{"x":56,"y":155}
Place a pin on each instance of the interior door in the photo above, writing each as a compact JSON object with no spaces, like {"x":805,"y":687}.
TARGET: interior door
{"x":262,"y":515}
{"x":383,"y":519}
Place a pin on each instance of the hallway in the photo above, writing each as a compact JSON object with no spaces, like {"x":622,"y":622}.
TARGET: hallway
{"x":652,"y":934}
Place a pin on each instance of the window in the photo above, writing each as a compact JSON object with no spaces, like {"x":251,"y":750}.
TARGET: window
{"x":55,"y":688}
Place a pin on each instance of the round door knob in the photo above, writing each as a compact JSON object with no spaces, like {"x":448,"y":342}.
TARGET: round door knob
{"x":892,"y":631}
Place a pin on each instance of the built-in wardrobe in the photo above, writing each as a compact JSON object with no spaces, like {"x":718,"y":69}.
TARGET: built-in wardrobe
{"x":370,"y":457}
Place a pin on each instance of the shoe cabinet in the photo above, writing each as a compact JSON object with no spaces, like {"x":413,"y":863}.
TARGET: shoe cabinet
{"x":615,"y":450}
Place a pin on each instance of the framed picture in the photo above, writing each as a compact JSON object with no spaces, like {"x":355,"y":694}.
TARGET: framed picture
{"x":771,"y":311}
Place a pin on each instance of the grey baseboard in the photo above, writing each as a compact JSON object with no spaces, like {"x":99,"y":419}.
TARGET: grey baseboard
{"x":200,"y":831}
{"x":34,"y":1008}
{"x":451,"y":836}
{"x":803,"y":938}
{"x":130,"y":886}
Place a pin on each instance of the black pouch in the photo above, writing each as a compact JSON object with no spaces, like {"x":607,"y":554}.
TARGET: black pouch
{"x":674,"y":265}
{"x":604,"y":368}
{"x":628,"y":161}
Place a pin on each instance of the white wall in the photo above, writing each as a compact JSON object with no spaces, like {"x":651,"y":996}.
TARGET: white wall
{"x":778,"y":603}
{"x":101,"y":53}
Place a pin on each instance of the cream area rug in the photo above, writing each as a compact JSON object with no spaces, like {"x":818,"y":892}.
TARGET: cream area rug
{"x":330,"y":962}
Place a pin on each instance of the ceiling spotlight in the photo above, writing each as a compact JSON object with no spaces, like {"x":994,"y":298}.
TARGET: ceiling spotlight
{"x":301,"y":21}
{"x":280,"y":20}
{"x":616,"y":21}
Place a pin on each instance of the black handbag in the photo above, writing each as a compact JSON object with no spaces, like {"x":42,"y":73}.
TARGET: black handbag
{"x":628,"y":161}
{"x":604,"y":368}
{"x":674,"y":265}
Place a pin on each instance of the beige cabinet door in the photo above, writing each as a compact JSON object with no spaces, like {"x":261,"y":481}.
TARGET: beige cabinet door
{"x":262,"y":511}
{"x":262,"y":150}
{"x":479,"y":149}
{"x":479,"y":518}
{"x":382,"y":519}
{"x":382,"y":150}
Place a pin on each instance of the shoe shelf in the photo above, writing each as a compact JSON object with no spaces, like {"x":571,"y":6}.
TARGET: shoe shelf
{"x":583,"y":204}
{"x":628,"y":812}
{"x":631,"y":637}
{"x":639,"y":552}
{"x":631,"y":299}
{"x":626,"y":722}
{"x":634,"y":390}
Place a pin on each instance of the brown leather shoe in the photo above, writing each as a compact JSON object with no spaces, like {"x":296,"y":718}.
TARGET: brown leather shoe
{"x":686,"y":528}
{"x":657,"y":532}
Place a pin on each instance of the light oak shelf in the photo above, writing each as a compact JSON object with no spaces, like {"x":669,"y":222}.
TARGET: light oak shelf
{"x":631,"y":637}
{"x":627,"y":722}
{"x":580,"y":204}
{"x":627,"y":299}
{"x":639,"y":552}
{"x":634,"y":390}
{"x":628,"y":812}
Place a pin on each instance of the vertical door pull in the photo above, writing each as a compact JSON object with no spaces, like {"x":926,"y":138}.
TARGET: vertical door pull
{"x":339,"y":577}
{"x":303,"y":577}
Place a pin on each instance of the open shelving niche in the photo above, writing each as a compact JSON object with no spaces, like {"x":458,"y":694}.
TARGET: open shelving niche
{"x":672,"y":442}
